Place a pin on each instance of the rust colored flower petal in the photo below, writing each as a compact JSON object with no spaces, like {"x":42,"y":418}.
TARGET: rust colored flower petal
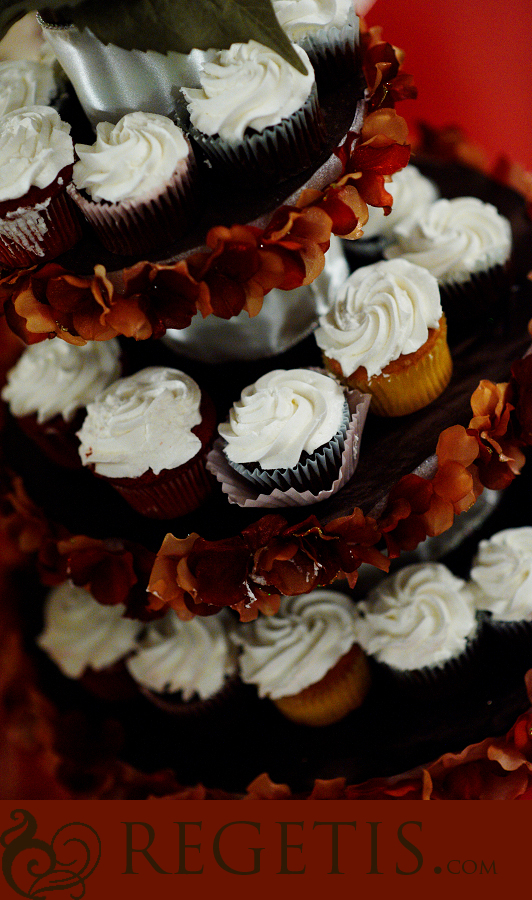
{"x":457,"y":445}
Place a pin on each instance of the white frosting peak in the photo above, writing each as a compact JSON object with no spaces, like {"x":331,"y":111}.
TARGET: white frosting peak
{"x":285,"y":413}
{"x":142,"y":422}
{"x":285,"y":653}
{"x":192,"y":657}
{"x":132,"y":159}
{"x":35,"y":145}
{"x":454,"y":238}
{"x":25,"y":83}
{"x":421,"y":616}
{"x":412,"y":193}
{"x":300,"y":18}
{"x":55,"y":378}
{"x":380,"y":312}
{"x":247,"y":86}
{"x":501,"y":575}
{"x":80,"y":633}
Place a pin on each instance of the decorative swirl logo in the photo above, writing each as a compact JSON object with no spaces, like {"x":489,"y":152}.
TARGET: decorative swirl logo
{"x":63,"y":864}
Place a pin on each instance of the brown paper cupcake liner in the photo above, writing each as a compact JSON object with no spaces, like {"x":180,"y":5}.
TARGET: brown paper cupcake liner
{"x":476,"y":303}
{"x":55,"y":437}
{"x":245,"y":493}
{"x":342,"y":689}
{"x":131,"y":227}
{"x":173,"y":704}
{"x":38,"y":233}
{"x":271,"y":155}
{"x":333,"y":51}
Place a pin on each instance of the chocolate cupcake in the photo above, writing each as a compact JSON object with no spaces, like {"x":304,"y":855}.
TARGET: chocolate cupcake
{"x":148,"y":435}
{"x":255,"y":116}
{"x":50,"y":386}
{"x":305,"y":658}
{"x":37,"y":218}
{"x":385,"y":335}
{"x":136,"y":184}
{"x":466,"y":244}
{"x":326,"y":29}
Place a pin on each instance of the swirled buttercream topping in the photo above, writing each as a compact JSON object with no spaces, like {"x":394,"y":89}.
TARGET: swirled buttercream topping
{"x":283,"y":414}
{"x":80,"y":633}
{"x":35,"y":145}
{"x":132,"y":159}
{"x":454,"y":238}
{"x":192,"y":658}
{"x":421,"y":616}
{"x":412,"y":193}
{"x":300,"y":18}
{"x":55,"y":378}
{"x":501,"y":575}
{"x":25,"y":83}
{"x":379,"y":313}
{"x":142,"y":422}
{"x":247,"y":86}
{"x":285,"y":653}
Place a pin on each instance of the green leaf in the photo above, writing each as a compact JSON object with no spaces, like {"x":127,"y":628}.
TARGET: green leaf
{"x":165,"y":25}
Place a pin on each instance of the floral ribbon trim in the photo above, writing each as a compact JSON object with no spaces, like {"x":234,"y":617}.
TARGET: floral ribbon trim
{"x":251,"y":571}
{"x":242,"y":263}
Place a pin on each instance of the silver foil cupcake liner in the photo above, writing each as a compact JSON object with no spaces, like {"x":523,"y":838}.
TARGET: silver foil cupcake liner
{"x":271,"y":155}
{"x":275,"y":491}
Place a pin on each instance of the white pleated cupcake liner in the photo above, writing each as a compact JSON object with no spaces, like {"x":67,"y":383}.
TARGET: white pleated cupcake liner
{"x":271,"y":155}
{"x":243,"y":492}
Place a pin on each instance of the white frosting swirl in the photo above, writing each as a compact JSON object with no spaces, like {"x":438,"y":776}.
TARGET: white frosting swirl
{"x":247,"y":86}
{"x":380,"y":312}
{"x":142,"y":422}
{"x":35,"y":145}
{"x":132,"y":159}
{"x":285,"y":653}
{"x":421,"y":616}
{"x":501,"y":575}
{"x":283,"y":414}
{"x":25,"y":83}
{"x":192,"y":657}
{"x":412,"y":193}
{"x":55,"y":378}
{"x":80,"y":633}
{"x":299,"y":18}
{"x":454,"y":238}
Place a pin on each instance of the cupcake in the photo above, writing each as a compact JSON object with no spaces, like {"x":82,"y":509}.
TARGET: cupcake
{"x":326,"y":29}
{"x":185,"y":667}
{"x":305,"y":658}
{"x":288,"y":430}
{"x":418,"y":622}
{"x":412,"y":193}
{"x":37,"y":218}
{"x":466,"y":244}
{"x":51,"y":384}
{"x":25,"y":82}
{"x":135,"y":184}
{"x":87,"y":640}
{"x":255,"y":116}
{"x":385,"y":335}
{"x":501,"y":577}
{"x":148,"y":435}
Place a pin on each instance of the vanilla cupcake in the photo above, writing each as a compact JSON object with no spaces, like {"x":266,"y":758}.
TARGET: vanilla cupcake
{"x":148,"y":435}
{"x":288,"y":430}
{"x":25,"y":82}
{"x":255,"y":116}
{"x":326,"y":29}
{"x":50,"y":386}
{"x":135,"y":184}
{"x":385,"y":334}
{"x":185,"y":667}
{"x":81,"y":635}
{"x":466,"y":244}
{"x":37,"y":219}
{"x":418,"y":622}
{"x":501,"y":579}
{"x":305,"y":658}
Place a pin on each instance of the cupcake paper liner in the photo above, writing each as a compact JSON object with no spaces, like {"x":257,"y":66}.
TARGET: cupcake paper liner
{"x":130,"y":227}
{"x":55,"y":437}
{"x":245,"y":493}
{"x":477,"y":301}
{"x":173,"y":704}
{"x":38,"y":233}
{"x":333,"y":51}
{"x":271,"y":155}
